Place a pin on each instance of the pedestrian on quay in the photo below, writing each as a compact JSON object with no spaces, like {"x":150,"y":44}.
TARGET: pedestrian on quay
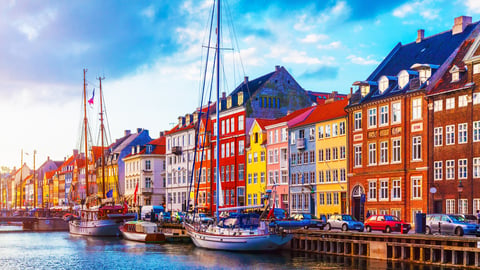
{"x":478,"y":216}
{"x":368,"y":214}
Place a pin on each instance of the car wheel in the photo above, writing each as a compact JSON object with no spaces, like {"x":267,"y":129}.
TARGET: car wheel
{"x":388,"y":229}
{"x":328,"y":227}
{"x":369,"y":229}
{"x":344,"y":227}
{"x":428,"y":230}
{"x":458,"y":231}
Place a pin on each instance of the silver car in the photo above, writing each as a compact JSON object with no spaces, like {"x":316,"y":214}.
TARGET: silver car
{"x":450,"y":224}
{"x":344,"y":222}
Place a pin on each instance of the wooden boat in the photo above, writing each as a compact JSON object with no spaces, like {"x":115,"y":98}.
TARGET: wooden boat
{"x":142,"y":231}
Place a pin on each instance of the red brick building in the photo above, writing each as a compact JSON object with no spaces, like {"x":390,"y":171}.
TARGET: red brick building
{"x":388,"y":124}
{"x":454,"y":133}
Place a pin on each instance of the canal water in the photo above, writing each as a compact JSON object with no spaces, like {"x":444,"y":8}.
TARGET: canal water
{"x":60,"y":250}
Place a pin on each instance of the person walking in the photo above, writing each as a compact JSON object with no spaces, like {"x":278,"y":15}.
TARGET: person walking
{"x":478,"y":216}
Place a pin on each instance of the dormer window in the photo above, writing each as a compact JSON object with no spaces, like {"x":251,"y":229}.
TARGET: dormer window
{"x":455,"y":71}
{"x":229,"y":102}
{"x":403,"y":79}
{"x":383,"y":84}
{"x":424,"y":74}
{"x":240,"y":98}
{"x":364,"y":89}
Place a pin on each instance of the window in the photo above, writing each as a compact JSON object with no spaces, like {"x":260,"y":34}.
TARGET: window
{"x":284,"y":177}
{"x":270,"y":178}
{"x":476,"y":131}
{"x":249,"y":178}
{"x":342,"y":128}
{"x":223,"y":127}
{"x":462,"y":168}
{"x":396,"y":150}
{"x":335,"y":176}
{"x":462,"y":133}
{"x":255,"y":157}
{"x":357,"y":120}
{"x":372,"y":154}
{"x":372,"y":117}
{"x":321,"y":198}
{"x":450,"y":134}
{"x":232,"y":149}
{"x":438,"y":136}
{"x":476,"y":167}
{"x":450,"y":169}
{"x":276,"y":135}
{"x":312,"y":156}
{"x":311,"y":136}
{"x":417,"y":187}
{"x":249,"y":200}
{"x":320,"y":155}
{"x":284,"y":134}
{"x":262,"y":156}
{"x":476,"y":205}
{"x":334,"y":153}
{"x":396,"y":190}
{"x":372,"y":190}
{"x":383,"y":152}
{"x":232,"y":124}
{"x":343,"y":175}
{"x":463,"y":206}
{"x":293,"y":158}
{"x":328,"y":176}
{"x":384,"y":115}
{"x":383,"y":84}
{"x":438,"y":105}
{"x":240,"y":122}
{"x":275,"y":155}
{"x":417,"y":148}
{"x":357,"y":150}
{"x":396,"y":113}
{"x":476,"y":98}
{"x":329,"y":198}
{"x":292,"y":138}
{"x":327,"y":154}
{"x":403,"y":78}
{"x":240,"y":171}
{"x":320,"y":177}
{"x":462,"y":101}
{"x":383,"y":190}
{"x":255,"y":178}
{"x":450,"y":206}
{"x":334,"y":130}
{"x":438,"y":170}
{"x":342,"y":152}
{"x":327,"y":131}
{"x":249,"y":157}
{"x":416,"y":108}
{"x":450,"y":103}
{"x":320,"y":132}
{"x":227,"y":126}
{"x":476,"y":68}
{"x":241,"y":147}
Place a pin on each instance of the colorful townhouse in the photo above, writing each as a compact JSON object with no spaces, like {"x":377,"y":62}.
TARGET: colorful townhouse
{"x":331,"y":147}
{"x":66,"y":173}
{"x":256,"y":184}
{"x":203,"y":165}
{"x":18,"y":186}
{"x":145,"y":167}
{"x":180,"y":143}
{"x":388,"y":124}
{"x":268,"y":97}
{"x":277,"y":144}
{"x":454,"y":133}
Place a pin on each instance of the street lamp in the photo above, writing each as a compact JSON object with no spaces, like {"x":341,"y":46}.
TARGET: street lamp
{"x":460,"y":190}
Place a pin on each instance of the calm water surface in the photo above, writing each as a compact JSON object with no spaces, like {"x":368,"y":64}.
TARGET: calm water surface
{"x":60,"y":250}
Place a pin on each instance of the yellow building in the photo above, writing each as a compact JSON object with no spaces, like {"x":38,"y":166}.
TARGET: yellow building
{"x":331,"y":165}
{"x":256,"y":163}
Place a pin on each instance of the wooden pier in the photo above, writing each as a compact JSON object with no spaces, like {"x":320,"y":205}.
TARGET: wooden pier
{"x":431,"y":250}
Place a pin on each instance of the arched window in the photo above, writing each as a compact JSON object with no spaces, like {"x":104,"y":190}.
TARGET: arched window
{"x":403,"y":79}
{"x":383,"y":84}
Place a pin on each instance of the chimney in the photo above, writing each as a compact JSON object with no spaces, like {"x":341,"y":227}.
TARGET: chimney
{"x":245,"y":80}
{"x":420,"y":35}
{"x":181,"y":120}
{"x":277,"y":68}
{"x":75,"y":152}
{"x":127,"y":132}
{"x":187,"y":119}
{"x":224,"y":95}
{"x":351,"y":91}
{"x":139,"y":130}
{"x":133,"y":150}
{"x":162,"y":133}
{"x":460,"y":23}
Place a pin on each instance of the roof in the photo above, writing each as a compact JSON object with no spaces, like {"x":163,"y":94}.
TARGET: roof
{"x":291,"y":116}
{"x":158,"y":147}
{"x":49,"y":174}
{"x":325,"y":112}
{"x":431,"y":51}
{"x":445,"y":82}
{"x":249,"y":88}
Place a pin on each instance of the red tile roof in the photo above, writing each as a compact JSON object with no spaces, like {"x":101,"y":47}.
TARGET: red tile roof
{"x":290,"y":116}
{"x":49,"y":174}
{"x":324,"y":112}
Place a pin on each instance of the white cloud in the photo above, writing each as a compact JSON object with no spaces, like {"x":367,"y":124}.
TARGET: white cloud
{"x":338,"y":12}
{"x":417,"y":8}
{"x":31,"y":26}
{"x":314,"y":38}
{"x":149,"y":12}
{"x":330,"y":46}
{"x":473,"y":5}
{"x":362,"y":61}
{"x":290,"y":56}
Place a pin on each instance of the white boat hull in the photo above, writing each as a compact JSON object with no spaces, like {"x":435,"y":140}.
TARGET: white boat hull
{"x":258,"y":242}
{"x":108,"y":227}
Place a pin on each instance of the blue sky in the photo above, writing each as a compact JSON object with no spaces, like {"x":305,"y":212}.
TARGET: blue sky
{"x":150,"y":53}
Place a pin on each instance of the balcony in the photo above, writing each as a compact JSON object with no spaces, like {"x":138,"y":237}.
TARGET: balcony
{"x":147,"y":191}
{"x":177,"y":150}
{"x":301,"y":144}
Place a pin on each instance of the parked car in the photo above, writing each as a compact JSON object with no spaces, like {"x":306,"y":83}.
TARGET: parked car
{"x":469,"y":218}
{"x":312,"y":221}
{"x":450,"y":224}
{"x":344,"y":222}
{"x":386,"y":223}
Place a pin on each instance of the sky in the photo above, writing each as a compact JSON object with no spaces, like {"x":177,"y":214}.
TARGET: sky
{"x":150,"y":56}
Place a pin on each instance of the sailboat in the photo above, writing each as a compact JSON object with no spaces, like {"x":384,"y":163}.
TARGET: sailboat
{"x":103,"y":220}
{"x":242,"y":232}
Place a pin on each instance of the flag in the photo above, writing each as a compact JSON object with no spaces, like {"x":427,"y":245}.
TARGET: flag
{"x":90,"y":101}
{"x":125,"y":207}
{"x":135,"y":195}
{"x":110,"y":193}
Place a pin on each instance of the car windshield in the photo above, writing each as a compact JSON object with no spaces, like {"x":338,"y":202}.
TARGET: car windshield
{"x":391,"y":218}
{"x":457,"y":218}
{"x":348,"y":218}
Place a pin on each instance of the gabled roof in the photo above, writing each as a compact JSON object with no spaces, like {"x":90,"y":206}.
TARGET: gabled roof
{"x":250,"y":87}
{"x":293,"y":115}
{"x":50,"y":174}
{"x":158,"y":147}
{"x":325,"y":112}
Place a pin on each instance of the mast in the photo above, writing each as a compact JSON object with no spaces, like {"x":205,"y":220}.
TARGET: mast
{"x":34,"y":182}
{"x":217,"y":163}
{"x":85,"y":122}
{"x":102,"y":127}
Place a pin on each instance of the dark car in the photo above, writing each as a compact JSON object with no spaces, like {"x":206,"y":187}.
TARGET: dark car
{"x":344,"y":222}
{"x":311,"y":220}
{"x":387,"y":224}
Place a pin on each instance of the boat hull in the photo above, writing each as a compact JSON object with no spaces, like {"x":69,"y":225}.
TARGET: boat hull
{"x":260,"y":242}
{"x":107,"y":227}
{"x":142,"y":237}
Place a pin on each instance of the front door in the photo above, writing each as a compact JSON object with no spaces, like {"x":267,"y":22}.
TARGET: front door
{"x":437,"y":207}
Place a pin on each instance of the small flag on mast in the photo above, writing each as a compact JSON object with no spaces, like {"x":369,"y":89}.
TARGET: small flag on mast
{"x":90,"y":101}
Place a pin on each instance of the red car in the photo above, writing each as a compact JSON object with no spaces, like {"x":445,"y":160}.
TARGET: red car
{"x":386,"y":223}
